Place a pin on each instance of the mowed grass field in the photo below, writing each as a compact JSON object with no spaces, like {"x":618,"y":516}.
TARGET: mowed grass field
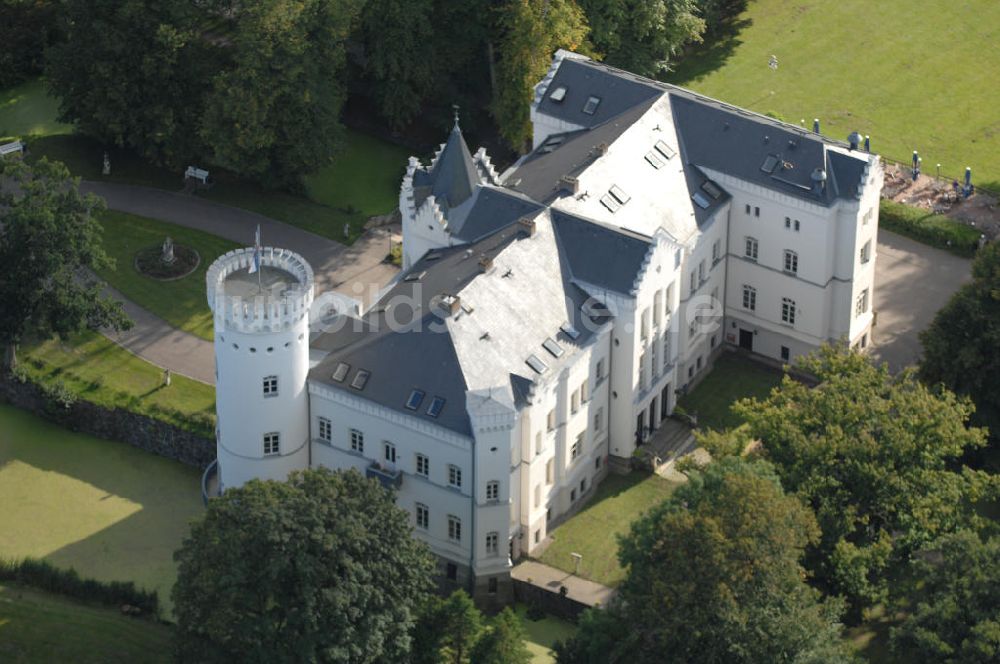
{"x":41,"y":627}
{"x":106,"y":509}
{"x":27,"y":110}
{"x":913,"y":74}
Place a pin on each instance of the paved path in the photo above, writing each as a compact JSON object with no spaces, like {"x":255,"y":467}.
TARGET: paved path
{"x":358,"y":270}
{"x":912,"y":281}
{"x":550,"y":578}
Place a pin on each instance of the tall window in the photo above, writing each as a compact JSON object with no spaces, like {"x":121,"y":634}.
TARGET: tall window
{"x":787,"y":311}
{"x":550,"y":471}
{"x":701,"y":272}
{"x":749,"y":298}
{"x":454,"y":528}
{"x":357,"y":441}
{"x":868,"y":217}
{"x":272,"y":443}
{"x":574,"y":401}
{"x":423,"y":516}
{"x":599,"y":371}
{"x":551,"y":419}
{"x":538,"y":496}
{"x":644,"y":324}
{"x":538,"y":443}
{"x":756,"y":211}
{"x":454,"y":476}
{"x":751,"y":249}
{"x":791,"y":262}
{"x":716,"y":250}
{"x":492,"y":544}
{"x":658,"y":308}
{"x":577,"y":447}
{"x":493,"y":490}
{"x":643,"y":374}
{"x":270,"y":386}
{"x":325,"y":429}
{"x":389,"y":451}
{"x":584,"y":392}
{"x":694,"y":281}
{"x":866,"y":252}
{"x":861,"y":306}
{"x":423,"y":465}
{"x":599,"y":419}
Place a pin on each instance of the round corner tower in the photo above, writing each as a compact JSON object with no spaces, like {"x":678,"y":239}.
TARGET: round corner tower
{"x":261,"y":361}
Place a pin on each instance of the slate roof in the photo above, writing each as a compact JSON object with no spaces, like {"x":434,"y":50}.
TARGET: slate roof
{"x":617,"y":94}
{"x":606,"y":257}
{"x":454,"y":175}
{"x":493,"y":209}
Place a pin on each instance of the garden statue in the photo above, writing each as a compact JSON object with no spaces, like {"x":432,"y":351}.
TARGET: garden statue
{"x":107,"y":165}
{"x":168,"y":251}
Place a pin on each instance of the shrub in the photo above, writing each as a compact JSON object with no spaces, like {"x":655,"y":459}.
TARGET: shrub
{"x":44,"y":576}
{"x":58,"y":395}
{"x":935,"y":230}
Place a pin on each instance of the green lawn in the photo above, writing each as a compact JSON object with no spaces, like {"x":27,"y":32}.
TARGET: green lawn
{"x":181,"y":302}
{"x":593,"y":532}
{"x":365,"y":177}
{"x":27,"y":110}
{"x":106,"y":509}
{"x":104,"y":373}
{"x":542,"y":634}
{"x":40,"y":627}
{"x":914,"y":74}
{"x":733,"y":378}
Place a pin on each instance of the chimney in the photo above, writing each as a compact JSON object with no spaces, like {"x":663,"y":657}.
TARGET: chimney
{"x":601,"y":149}
{"x":868,"y":143}
{"x":570,"y":184}
{"x":815,"y":125}
{"x":450,"y":304}
{"x":527,"y":225}
{"x":485,"y":263}
{"x":854,"y":139}
{"x":818,"y":178}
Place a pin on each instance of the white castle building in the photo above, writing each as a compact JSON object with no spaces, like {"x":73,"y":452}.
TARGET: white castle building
{"x":546,"y":318}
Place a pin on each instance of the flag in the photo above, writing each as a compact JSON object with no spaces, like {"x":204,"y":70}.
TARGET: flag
{"x":255,"y":263}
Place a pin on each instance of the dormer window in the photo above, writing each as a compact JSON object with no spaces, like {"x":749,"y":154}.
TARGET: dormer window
{"x":591,"y":106}
{"x":558,"y":94}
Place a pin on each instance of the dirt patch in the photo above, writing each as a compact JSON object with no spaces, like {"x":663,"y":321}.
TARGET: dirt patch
{"x":980,"y":210}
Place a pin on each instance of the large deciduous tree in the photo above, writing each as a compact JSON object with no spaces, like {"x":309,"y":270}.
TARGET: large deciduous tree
{"x":876,"y":457}
{"x":400,"y":42}
{"x":273,"y":113}
{"x":642,"y":36}
{"x":49,"y":242}
{"x":131,"y":73}
{"x":953,"y":613}
{"x":528,"y":33}
{"x":714,"y":576}
{"x":962,"y":345}
{"x":502,"y":642}
{"x":321,"y":568}
{"x":27,"y":28}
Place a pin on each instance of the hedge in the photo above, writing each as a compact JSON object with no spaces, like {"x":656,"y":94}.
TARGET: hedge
{"x":932,"y":229}
{"x":45,"y":576}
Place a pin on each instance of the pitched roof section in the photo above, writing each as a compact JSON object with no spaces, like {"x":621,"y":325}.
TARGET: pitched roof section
{"x":580,"y":81}
{"x":493,"y":209}
{"x":454,"y":175}
{"x":605,"y":257}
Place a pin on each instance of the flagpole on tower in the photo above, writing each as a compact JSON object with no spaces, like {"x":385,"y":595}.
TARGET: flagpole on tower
{"x":255,"y":261}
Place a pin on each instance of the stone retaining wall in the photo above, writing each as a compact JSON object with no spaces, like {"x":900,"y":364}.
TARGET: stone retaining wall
{"x":142,"y":431}
{"x":552,"y":603}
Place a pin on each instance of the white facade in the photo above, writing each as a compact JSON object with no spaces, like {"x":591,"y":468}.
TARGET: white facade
{"x":772,"y":272}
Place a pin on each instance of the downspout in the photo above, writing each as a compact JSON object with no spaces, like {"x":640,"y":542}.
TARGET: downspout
{"x":472,"y":540}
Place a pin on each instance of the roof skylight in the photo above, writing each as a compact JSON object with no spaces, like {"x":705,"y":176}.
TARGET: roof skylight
{"x":664,"y":149}
{"x":341,"y":372}
{"x":437,"y":404}
{"x":414,"y":400}
{"x":558,"y":94}
{"x":591,"y":106}
{"x":700,"y":199}
{"x":538,"y":365}
{"x":653,"y":160}
{"x":360,"y":379}
{"x":770,"y":163}
{"x":553,"y":347}
{"x":609,"y":202}
{"x":570,"y":331}
{"x":711,"y":189}
{"x":619,"y":194}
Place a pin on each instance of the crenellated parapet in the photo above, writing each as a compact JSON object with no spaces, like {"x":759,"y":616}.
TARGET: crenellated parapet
{"x":486,"y":166}
{"x":249,"y":303}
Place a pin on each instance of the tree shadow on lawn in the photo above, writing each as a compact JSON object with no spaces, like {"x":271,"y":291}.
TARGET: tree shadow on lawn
{"x":138,"y":546}
{"x":712,"y":54}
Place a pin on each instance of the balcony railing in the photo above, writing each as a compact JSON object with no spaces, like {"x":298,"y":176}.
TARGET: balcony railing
{"x":388,"y":477}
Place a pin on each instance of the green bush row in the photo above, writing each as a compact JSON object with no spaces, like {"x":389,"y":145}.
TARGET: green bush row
{"x":45,"y":576}
{"x":935,"y":230}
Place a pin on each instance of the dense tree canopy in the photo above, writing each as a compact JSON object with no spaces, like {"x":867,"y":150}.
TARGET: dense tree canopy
{"x":528,"y":33}
{"x":502,"y":642}
{"x":954,"y":613}
{"x":321,"y":568}
{"x":27,"y":28}
{"x":962,"y":345}
{"x":49,"y":239}
{"x":643,"y":36}
{"x":875,"y":457}
{"x":274,"y":114}
{"x":714,"y":576}
{"x":130,"y":72}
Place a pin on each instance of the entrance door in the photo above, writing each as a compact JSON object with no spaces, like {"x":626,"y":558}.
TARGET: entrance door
{"x":664,"y":400}
{"x":640,"y":424}
{"x":746,"y":339}
{"x":652,"y":413}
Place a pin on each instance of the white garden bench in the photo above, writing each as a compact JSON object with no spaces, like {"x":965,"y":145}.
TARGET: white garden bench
{"x":11,"y":148}
{"x":195,"y":173}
